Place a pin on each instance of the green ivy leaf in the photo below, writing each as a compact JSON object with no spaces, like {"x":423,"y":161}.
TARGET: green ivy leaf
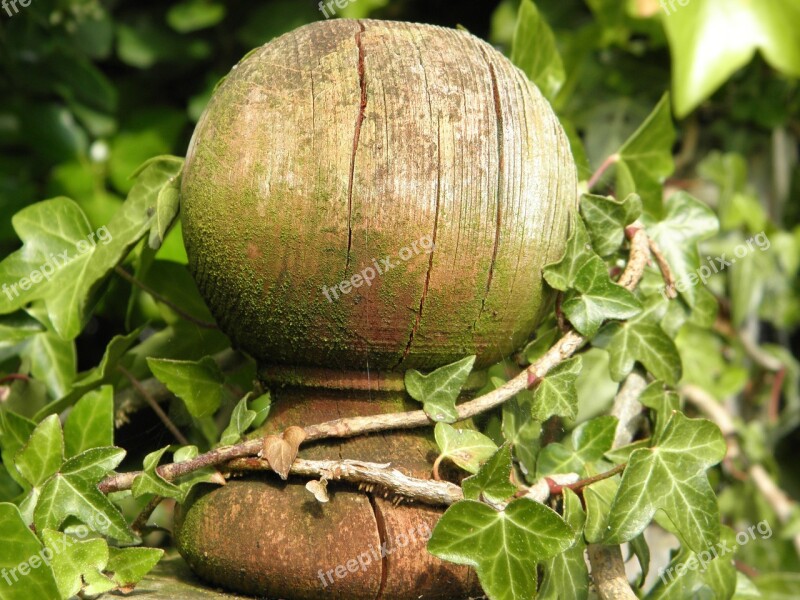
{"x":597,"y":298}
{"x":90,"y":423}
{"x":599,"y":497}
{"x":78,"y":564}
{"x":167,"y":208}
{"x":241,"y":418}
{"x":522,"y":431}
{"x":566,"y":575}
{"x":638,"y":340}
{"x":556,"y":393}
{"x":712,"y":39}
{"x":127,"y":566}
{"x":664,"y":402}
{"x":15,"y":431}
{"x":19,"y":545}
{"x":17,"y":327}
{"x":606,"y":219}
{"x":503,"y":546}
{"x":150,"y":482}
{"x":561,"y":275}
{"x":687,"y":221}
{"x":533,"y":49}
{"x":53,"y":360}
{"x":72,"y":491}
{"x":493,"y":480}
{"x":197,"y":383}
{"x":57,"y":233}
{"x":671,"y":477}
{"x":43,"y":453}
{"x":465,"y":447}
{"x":439,"y":390}
{"x":645,"y":160}
{"x":588,"y":443}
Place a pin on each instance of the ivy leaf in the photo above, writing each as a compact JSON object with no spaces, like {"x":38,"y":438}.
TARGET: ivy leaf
{"x":556,"y":393}
{"x":438,"y":390}
{"x":533,"y":49}
{"x":465,"y":447}
{"x":606,"y":219}
{"x":664,"y":402}
{"x":19,"y":545}
{"x":15,"y":431}
{"x":127,"y":566}
{"x":503,"y":546}
{"x":598,"y":498}
{"x":493,"y":479}
{"x":566,"y":575}
{"x":90,"y":423}
{"x":561,"y":275}
{"x":522,"y":431}
{"x":64,"y":262}
{"x":197,"y":383}
{"x":241,"y":418}
{"x":281,"y":450}
{"x":638,"y":340}
{"x":712,"y":39}
{"x":78,"y":564}
{"x":687,"y":221}
{"x":72,"y":491}
{"x":671,"y":477}
{"x":645,"y":160}
{"x":588,"y":443}
{"x":167,"y":199}
{"x":53,"y":360}
{"x":43,"y":454}
{"x":17,"y":327}
{"x":150,"y":482}
{"x":597,"y":298}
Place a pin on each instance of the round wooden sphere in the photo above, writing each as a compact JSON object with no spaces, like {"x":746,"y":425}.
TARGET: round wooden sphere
{"x":376,"y":195}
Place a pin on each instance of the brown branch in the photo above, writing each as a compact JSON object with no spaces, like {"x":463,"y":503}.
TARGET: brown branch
{"x":437,"y":493}
{"x":611,"y":160}
{"x":14,"y":377}
{"x":352,"y":426}
{"x":140,"y":523}
{"x":154,"y":405}
{"x":577,"y":487}
{"x":666,"y":272}
{"x":163,"y":299}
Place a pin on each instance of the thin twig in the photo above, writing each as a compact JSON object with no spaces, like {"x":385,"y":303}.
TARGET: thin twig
{"x":154,"y":405}
{"x":774,"y":406}
{"x":601,"y":170}
{"x":577,"y":487}
{"x":163,"y":299}
{"x":14,"y":377}
{"x":353,"y":426}
{"x":140,"y":523}
{"x":666,"y":272}
{"x":427,"y":491}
